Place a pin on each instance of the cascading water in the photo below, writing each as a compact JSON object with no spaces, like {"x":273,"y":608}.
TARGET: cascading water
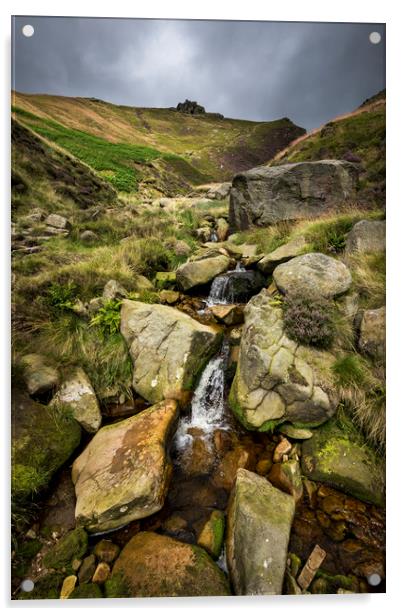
{"x":221,"y":291}
{"x":207,"y":409}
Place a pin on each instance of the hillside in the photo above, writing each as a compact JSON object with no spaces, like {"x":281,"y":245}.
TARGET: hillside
{"x":357,"y":137}
{"x":153,"y":150}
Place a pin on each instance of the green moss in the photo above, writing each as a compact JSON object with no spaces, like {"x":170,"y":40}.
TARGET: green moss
{"x":46,"y":587}
{"x":350,"y":370}
{"x":86,"y":591}
{"x":71,"y":546}
{"x":24,"y":552}
{"x":116,"y":587}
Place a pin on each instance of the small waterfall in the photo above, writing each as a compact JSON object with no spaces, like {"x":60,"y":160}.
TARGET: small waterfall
{"x":207,"y":409}
{"x":213,"y":236}
{"x":221,"y":291}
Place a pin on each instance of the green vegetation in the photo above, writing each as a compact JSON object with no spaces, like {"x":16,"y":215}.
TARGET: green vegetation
{"x":369,"y":278}
{"x":266,"y":239}
{"x":114,"y":161}
{"x":73,"y":545}
{"x":359,"y":137}
{"x":108,"y":317}
{"x":309,"y":321}
{"x":362,"y":388}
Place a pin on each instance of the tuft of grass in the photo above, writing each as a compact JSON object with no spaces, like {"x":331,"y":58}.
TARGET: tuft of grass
{"x":266,"y":239}
{"x":369,"y":278}
{"x":362,"y":387}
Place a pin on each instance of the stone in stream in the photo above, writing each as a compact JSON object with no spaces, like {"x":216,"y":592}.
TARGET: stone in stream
{"x":68,"y":586}
{"x":286,"y":476}
{"x":266,"y":195}
{"x":124,"y":472}
{"x":277,"y":379}
{"x":153,"y":565}
{"x":106,"y":551}
{"x":195,"y":273}
{"x":340,"y":460}
{"x":71,"y":547}
{"x":43,"y":439}
{"x":367,"y":236}
{"x":168,"y":349}
{"x":211,"y":536}
{"x":312,"y":275}
{"x":76,"y":392}
{"x":235,"y":286}
{"x":38,"y":374}
{"x":230,"y":314}
{"x":258,"y":530}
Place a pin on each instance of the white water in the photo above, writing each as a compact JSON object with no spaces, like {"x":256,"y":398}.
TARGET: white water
{"x":219,"y":290}
{"x":207,"y":410}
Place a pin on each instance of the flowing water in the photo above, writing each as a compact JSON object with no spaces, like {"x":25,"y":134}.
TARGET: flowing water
{"x":222,"y":289}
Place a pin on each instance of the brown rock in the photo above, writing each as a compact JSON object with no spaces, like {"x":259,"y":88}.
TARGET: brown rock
{"x":101,"y":574}
{"x":225,"y":474}
{"x":106,"y":551}
{"x":287,"y":477}
{"x":231,"y":314}
{"x":311,"y":566}
{"x":283,"y":448}
{"x":87,"y":569}
{"x":263,"y":467}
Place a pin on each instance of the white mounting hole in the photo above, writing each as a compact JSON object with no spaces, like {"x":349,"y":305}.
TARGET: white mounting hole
{"x":28,"y":30}
{"x":374,"y":579}
{"x":27,"y":585}
{"x":375,"y":38}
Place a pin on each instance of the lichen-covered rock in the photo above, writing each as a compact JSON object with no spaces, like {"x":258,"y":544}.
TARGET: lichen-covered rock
{"x":211,"y":536}
{"x":152,"y":565}
{"x":336,"y":458}
{"x":367,"y":236}
{"x":38,"y":375}
{"x":71,"y":546}
{"x":277,"y":379}
{"x":312,"y":275}
{"x":57,"y":221}
{"x":372,"y":335}
{"x":259,"y":523}
{"x":77,"y":392}
{"x":43,"y":439}
{"x":222,"y":229}
{"x":168,"y":349}
{"x":195,"y":273}
{"x":282,"y":254}
{"x":266,"y":195}
{"x":113,"y":290}
{"x":124,"y":472}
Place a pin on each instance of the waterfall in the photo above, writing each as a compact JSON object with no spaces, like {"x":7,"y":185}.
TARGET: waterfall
{"x":207,"y":409}
{"x":213,"y":236}
{"x":221,"y":291}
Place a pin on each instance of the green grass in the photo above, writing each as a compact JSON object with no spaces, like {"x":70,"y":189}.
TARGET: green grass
{"x":266,"y":239}
{"x":115,"y":162}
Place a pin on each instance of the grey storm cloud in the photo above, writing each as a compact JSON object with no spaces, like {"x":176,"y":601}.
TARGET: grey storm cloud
{"x":309,"y":72}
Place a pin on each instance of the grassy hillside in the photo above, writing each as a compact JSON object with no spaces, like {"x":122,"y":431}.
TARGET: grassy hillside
{"x":358,"y":137}
{"x":141,"y":148}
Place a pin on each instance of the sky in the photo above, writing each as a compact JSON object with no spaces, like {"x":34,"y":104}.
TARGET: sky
{"x":308,"y":72}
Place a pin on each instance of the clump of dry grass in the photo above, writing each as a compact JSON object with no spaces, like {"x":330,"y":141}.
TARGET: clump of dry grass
{"x":369,"y":278}
{"x":362,"y":387}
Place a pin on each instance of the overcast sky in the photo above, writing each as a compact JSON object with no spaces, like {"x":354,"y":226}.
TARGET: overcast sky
{"x":253,"y":70}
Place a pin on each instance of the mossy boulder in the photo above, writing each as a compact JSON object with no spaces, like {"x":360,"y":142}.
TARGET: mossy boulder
{"x":39,"y":375}
{"x":72,"y":546}
{"x":153,"y":565}
{"x":43,"y":439}
{"x":339,"y":459}
{"x":258,"y":530}
{"x":211,"y":536}
{"x":77,"y":392}
{"x":278,"y":380}
{"x":168,"y":349}
{"x":124,"y":472}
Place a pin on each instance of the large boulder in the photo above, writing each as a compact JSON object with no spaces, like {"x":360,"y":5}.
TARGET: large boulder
{"x":195,"y":273}
{"x":282,"y":254}
{"x":313,"y":275}
{"x":43,"y":439}
{"x":266,"y":195}
{"x":278,"y":380}
{"x":39,"y":376}
{"x":372,"y":334}
{"x":124,"y":472}
{"x":367,"y":236}
{"x":259,"y":523}
{"x":76,"y":391}
{"x":168,"y":349}
{"x":153,"y":565}
{"x":344,"y":462}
